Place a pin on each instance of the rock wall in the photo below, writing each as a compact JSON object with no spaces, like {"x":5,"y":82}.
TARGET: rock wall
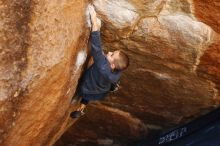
{"x":42,"y":48}
{"x":174,"y":74}
{"x":209,"y":63}
{"x":172,"y":50}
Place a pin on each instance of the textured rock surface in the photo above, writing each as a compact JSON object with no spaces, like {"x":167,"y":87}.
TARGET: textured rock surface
{"x":118,"y":128}
{"x":174,"y":74}
{"x":40,"y":43}
{"x":166,"y":45}
{"x":209,"y":67}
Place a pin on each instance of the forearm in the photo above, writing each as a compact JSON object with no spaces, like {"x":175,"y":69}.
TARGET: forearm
{"x":96,"y":48}
{"x":95,"y":26}
{"x":96,"y":41}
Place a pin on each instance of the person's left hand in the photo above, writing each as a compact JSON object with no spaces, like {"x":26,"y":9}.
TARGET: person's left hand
{"x":96,"y":22}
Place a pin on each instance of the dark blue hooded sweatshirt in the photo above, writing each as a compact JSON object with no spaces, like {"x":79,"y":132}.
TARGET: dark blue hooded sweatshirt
{"x":99,"y":76}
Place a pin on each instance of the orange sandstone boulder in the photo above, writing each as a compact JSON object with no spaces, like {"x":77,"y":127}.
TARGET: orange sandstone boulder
{"x":42,"y":50}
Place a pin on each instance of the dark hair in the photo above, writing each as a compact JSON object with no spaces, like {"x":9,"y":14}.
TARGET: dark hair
{"x":122,"y":62}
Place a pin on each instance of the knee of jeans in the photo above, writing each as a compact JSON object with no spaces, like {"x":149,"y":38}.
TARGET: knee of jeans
{"x":84,"y":101}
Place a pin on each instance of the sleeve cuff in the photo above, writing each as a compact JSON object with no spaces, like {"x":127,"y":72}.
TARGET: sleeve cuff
{"x":95,"y":33}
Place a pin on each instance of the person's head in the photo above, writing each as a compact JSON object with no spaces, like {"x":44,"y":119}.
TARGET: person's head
{"x":118,"y":60}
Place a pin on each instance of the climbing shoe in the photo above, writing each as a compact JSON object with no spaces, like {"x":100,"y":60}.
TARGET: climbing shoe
{"x":77,"y":114}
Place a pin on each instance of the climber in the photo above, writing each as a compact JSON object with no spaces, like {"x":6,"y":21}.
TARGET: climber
{"x":106,"y":69}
